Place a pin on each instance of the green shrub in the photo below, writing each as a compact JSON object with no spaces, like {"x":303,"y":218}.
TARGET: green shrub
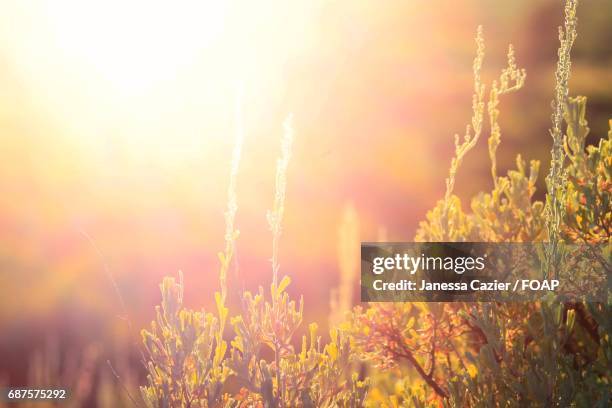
{"x":190,"y":364}
{"x":544,"y":353}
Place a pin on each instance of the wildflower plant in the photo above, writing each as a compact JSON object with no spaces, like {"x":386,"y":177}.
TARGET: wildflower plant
{"x":447,"y":221}
{"x":181,"y":349}
{"x":587,"y":216}
{"x":549,"y":352}
{"x":544,"y":353}
{"x":556,"y":179}
{"x":191,"y":365}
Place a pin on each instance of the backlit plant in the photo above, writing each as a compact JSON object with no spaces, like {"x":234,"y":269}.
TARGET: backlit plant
{"x":190,"y":364}
{"x":544,"y":353}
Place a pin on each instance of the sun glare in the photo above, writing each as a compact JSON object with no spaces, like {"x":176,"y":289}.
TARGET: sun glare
{"x":133,"y":44}
{"x":155,"y":77}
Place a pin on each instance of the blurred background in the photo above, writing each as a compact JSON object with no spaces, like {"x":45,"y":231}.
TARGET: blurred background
{"x":116,"y":129}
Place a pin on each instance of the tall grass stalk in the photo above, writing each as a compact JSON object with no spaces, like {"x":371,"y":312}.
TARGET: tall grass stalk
{"x":472,"y":130}
{"x":275,"y":216}
{"x":556,"y":178}
{"x":275,"y":220}
{"x":230,"y":231}
{"x":232,"y":202}
{"x":511,"y":79}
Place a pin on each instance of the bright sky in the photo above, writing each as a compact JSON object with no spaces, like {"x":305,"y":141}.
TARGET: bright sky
{"x":152,"y":73}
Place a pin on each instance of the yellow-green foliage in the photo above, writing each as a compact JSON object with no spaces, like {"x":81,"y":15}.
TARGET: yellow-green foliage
{"x":181,"y":343}
{"x":447,"y":221}
{"x":180,"y":348}
{"x":316,"y":375}
{"x":507,"y":214}
{"x":545,"y":353}
{"x":587,"y":208}
{"x":556,"y":179}
{"x":189,"y":362}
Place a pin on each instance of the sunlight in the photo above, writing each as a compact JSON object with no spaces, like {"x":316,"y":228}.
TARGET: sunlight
{"x":135,"y":44}
{"x":151,"y":79}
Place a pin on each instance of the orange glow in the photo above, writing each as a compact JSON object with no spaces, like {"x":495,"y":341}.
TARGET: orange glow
{"x":116,"y":120}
